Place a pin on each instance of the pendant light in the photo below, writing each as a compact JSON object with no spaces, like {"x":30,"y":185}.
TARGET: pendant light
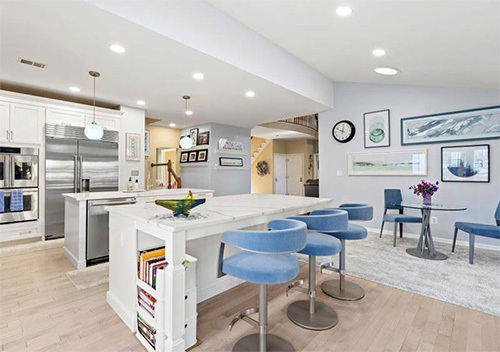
{"x":186,"y":142}
{"x":94,"y":131}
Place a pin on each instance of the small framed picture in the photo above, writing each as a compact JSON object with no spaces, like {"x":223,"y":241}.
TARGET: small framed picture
{"x":193,"y":133}
{"x":232,"y":162}
{"x":184,"y":157}
{"x":202,"y":155}
{"x":146,"y":143}
{"x":192,"y":156}
{"x":133,"y":146}
{"x":467,"y":163}
{"x":377,"y":128}
{"x":203,"y":138}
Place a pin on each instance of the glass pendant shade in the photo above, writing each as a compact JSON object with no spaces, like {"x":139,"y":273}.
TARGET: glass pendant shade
{"x":186,"y":142}
{"x":94,"y":131}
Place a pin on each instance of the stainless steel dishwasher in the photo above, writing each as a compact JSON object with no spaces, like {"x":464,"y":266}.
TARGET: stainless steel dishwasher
{"x":98,"y":228}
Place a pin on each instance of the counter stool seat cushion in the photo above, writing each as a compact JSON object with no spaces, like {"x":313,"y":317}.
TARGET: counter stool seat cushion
{"x":353,"y":232}
{"x":320,"y":244}
{"x":479,"y":229}
{"x":402,"y":218}
{"x":261,"y":268}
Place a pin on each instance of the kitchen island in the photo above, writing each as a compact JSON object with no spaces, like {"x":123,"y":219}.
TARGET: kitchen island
{"x":140,"y":227}
{"x":79,"y":206}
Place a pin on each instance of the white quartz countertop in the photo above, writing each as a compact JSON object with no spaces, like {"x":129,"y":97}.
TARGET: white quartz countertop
{"x":219,"y":210}
{"x":181,"y":192}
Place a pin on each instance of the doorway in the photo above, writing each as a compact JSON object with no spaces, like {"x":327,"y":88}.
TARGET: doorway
{"x":289,"y":174}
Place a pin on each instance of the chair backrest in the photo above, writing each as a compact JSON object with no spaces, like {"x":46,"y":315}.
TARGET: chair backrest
{"x":357,"y":211}
{"x":284,"y":236}
{"x":325,"y":220}
{"x":497,"y":214}
{"x":392,"y":199}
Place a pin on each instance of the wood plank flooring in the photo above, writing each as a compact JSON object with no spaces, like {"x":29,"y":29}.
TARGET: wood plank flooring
{"x":41,"y":310}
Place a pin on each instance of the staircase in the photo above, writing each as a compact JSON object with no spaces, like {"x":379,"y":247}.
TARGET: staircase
{"x":259,"y":149}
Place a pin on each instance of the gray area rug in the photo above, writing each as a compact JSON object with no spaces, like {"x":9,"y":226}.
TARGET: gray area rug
{"x":90,"y":276}
{"x":454,"y":280}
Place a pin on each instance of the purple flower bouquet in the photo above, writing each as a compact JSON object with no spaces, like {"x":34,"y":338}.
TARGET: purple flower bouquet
{"x":426,"y":190}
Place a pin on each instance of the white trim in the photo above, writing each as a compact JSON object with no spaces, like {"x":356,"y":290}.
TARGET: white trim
{"x":231,"y":168}
{"x":223,"y":284}
{"x":76,"y":263}
{"x":437,"y":239}
{"x":128,"y":319}
{"x":229,"y":151}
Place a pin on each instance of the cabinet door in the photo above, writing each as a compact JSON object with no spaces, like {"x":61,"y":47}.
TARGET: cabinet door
{"x":107,"y":123}
{"x":4,"y":121}
{"x":26,"y":123}
{"x":63,"y":117}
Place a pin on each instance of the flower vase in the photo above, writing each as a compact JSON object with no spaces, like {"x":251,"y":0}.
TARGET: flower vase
{"x":427,"y":200}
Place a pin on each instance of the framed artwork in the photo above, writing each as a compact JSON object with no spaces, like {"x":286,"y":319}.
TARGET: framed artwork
{"x":465,"y":125}
{"x":184,"y":157}
{"x":202,"y":155}
{"x":192,"y":156}
{"x":466,"y":163}
{"x":132,"y":146}
{"x":233,"y":162}
{"x":230,"y":145}
{"x":146,"y":143}
{"x":390,"y":163}
{"x":203,"y":138}
{"x":377,"y":128}
{"x":193,"y":133}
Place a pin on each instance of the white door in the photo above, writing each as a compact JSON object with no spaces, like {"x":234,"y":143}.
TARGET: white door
{"x":295,"y":174}
{"x":280,"y":173}
{"x":26,"y":123}
{"x":4,"y":121}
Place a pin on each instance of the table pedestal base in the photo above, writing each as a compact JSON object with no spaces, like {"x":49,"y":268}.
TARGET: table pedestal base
{"x":425,"y":248}
{"x":426,"y":254}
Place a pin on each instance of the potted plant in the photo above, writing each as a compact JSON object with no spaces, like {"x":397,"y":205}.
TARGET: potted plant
{"x":426,"y":190}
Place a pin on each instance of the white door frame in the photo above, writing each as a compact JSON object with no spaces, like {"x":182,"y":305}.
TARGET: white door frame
{"x":286,"y":172}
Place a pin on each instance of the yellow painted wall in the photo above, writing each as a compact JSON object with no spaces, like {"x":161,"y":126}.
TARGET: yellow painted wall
{"x":262,"y":184}
{"x":161,"y":137}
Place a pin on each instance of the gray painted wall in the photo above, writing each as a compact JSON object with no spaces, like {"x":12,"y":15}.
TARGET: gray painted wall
{"x":352,"y":100}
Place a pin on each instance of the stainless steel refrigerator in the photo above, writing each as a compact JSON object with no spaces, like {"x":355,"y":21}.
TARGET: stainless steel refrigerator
{"x":73,"y":162}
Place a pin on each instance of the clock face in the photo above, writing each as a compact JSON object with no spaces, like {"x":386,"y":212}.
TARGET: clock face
{"x":343,"y":131}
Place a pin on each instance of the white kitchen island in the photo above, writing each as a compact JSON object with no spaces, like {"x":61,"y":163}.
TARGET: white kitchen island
{"x":139,"y":227}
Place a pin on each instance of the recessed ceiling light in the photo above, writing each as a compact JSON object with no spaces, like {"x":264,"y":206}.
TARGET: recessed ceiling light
{"x":74,"y":89}
{"x":343,"y":11}
{"x":141,"y":102}
{"x":188,"y":112}
{"x":198,"y":76}
{"x":378,"y":52}
{"x":250,"y":94}
{"x":388,"y":71}
{"x":117,"y":48}
{"x":172,"y":125}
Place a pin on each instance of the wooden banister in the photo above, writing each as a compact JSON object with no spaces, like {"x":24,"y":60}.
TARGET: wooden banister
{"x":171,"y":173}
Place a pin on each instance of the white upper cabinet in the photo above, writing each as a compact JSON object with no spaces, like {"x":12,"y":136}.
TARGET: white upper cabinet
{"x":107,"y":123}
{"x":26,"y":123}
{"x":64,"y":117}
{"x":4,"y":122}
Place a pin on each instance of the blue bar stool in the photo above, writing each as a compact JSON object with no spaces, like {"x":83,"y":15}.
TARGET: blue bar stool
{"x":342,"y":289}
{"x":311,"y":314}
{"x":265,"y":259}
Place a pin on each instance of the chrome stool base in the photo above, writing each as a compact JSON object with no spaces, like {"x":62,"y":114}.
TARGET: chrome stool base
{"x":349,"y":292}
{"x":323,"y":318}
{"x":250,"y":343}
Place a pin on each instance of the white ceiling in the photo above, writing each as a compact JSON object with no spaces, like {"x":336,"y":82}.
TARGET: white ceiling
{"x":437,"y":43}
{"x":276,"y":133}
{"x":72,"y":37}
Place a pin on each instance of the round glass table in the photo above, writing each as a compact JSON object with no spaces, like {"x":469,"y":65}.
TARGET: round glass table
{"x":425,"y":248}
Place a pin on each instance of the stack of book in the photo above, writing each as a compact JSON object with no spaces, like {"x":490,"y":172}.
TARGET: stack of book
{"x":146,"y":330}
{"x":148,"y":263}
{"x":146,"y":301}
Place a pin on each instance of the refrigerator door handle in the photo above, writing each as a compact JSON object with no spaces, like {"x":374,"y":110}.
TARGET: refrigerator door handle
{"x":80,"y":177}
{"x":75,"y":173}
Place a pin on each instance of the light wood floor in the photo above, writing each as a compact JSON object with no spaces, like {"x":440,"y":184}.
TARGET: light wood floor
{"x":41,"y":310}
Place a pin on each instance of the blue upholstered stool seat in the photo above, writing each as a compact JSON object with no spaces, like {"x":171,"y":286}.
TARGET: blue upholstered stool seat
{"x":261,"y":268}
{"x":402,"y":218}
{"x":353,"y":232}
{"x":358,"y":211}
{"x":479,"y":229}
{"x":320,"y":244}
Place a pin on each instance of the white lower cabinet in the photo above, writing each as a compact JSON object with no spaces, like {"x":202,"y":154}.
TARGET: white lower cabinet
{"x":19,"y":231}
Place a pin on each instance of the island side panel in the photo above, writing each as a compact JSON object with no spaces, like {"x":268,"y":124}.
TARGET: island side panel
{"x":75,"y":213}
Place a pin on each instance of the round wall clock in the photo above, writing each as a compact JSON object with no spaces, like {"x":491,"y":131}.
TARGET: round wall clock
{"x":343,"y":131}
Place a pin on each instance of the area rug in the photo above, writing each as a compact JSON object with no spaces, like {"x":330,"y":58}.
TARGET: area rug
{"x":31,"y":247}
{"x":90,"y":276}
{"x":454,"y":280}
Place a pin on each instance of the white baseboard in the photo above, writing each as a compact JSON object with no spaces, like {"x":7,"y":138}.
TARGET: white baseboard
{"x":222,"y":284}
{"x":77,"y":264}
{"x":127,"y":318}
{"x":436,"y":239}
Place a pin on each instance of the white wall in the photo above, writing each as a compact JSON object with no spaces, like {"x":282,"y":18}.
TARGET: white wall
{"x":132,"y":121}
{"x":352,"y":100}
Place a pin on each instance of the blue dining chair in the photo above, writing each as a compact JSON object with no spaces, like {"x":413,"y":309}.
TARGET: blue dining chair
{"x":392,"y":199}
{"x":265,"y":259}
{"x":475,"y":229}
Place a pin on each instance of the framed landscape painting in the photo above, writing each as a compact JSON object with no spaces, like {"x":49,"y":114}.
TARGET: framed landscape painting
{"x":466,"y":125}
{"x":467,"y":163}
{"x":377,"y":129}
{"x":390,"y":163}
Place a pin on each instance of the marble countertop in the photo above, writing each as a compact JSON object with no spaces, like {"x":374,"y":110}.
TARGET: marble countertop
{"x":181,"y":192}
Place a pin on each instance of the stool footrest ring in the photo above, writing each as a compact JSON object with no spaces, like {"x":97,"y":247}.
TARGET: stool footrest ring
{"x":297,"y":285}
{"x":244,"y":315}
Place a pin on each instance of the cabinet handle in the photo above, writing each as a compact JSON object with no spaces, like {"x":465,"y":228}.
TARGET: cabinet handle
{"x":8,"y":135}
{"x":11,"y":135}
